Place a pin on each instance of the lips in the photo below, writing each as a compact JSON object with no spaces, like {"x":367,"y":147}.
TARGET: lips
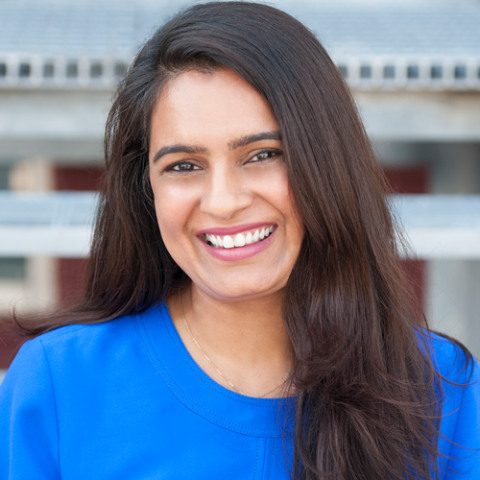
{"x":238,"y":243}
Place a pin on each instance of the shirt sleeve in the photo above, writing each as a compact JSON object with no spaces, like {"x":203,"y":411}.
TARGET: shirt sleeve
{"x":28,"y":418}
{"x":462,"y":419}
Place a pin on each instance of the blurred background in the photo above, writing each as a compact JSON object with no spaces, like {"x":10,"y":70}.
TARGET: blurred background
{"x":414,"y":69}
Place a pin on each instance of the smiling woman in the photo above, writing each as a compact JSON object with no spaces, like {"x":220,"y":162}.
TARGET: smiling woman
{"x":245,"y":315}
{"x":221,"y":187}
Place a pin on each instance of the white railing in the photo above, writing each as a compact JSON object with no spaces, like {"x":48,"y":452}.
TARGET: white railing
{"x":60,"y":72}
{"x":60,"y":224}
{"x":411,"y":73}
{"x":362,"y":73}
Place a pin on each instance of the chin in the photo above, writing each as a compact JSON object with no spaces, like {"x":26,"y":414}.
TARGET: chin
{"x":235,"y":291}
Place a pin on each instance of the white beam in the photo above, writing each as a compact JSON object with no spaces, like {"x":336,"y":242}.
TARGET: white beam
{"x":60,"y":224}
{"x":445,"y":243}
{"x":421,"y":116}
{"x":53,"y":115}
{"x":54,"y":241}
{"x":74,"y":241}
{"x":56,"y":124}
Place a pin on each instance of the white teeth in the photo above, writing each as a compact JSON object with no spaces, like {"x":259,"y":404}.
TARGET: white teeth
{"x":239,"y":240}
{"x":228,"y":242}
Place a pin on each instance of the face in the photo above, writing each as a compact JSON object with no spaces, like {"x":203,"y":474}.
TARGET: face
{"x":221,"y":190}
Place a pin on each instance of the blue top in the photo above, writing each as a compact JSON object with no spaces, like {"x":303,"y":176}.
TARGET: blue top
{"x":125,"y":400}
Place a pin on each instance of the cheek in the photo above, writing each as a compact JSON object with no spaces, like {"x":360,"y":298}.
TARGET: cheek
{"x":270,"y":183}
{"x":278,"y":192}
{"x":283,"y":198}
{"x":166,"y":222}
{"x":173,"y":207}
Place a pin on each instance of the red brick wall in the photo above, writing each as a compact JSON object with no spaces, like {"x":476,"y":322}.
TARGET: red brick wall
{"x":411,"y":180}
{"x":79,"y":179}
{"x":71,"y":271}
{"x":71,"y":276}
{"x":408,"y":180}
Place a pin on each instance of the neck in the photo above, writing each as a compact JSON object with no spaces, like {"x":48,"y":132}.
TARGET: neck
{"x":246,"y":340}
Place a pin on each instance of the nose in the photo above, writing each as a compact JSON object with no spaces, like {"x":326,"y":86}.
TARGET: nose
{"x":225,"y":193}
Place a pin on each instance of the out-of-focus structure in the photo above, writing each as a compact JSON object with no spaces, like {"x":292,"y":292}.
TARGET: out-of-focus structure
{"x":413,"y":66}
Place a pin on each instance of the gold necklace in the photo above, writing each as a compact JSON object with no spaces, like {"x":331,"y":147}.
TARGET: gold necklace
{"x":231,"y":385}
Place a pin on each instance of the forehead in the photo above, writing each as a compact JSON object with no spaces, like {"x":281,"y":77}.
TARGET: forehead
{"x":209,"y":107}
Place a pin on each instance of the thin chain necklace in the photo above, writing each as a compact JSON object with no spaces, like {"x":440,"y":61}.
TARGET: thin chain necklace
{"x":231,"y":385}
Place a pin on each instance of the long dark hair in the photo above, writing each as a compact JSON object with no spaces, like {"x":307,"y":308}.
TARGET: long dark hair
{"x":369,"y":399}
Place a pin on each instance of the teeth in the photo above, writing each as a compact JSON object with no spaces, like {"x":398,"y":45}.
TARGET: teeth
{"x":228,"y":242}
{"x":240,"y":239}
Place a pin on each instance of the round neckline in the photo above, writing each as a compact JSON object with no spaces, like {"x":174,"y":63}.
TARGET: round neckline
{"x":265,"y":417}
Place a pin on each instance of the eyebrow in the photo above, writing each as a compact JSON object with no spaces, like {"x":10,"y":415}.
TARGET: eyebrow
{"x":178,"y":148}
{"x":242,"y":141}
{"x":195,"y":149}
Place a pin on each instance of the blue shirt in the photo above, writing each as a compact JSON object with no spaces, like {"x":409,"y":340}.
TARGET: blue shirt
{"x":125,"y":400}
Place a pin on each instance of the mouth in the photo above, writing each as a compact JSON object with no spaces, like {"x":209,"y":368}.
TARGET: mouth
{"x":241,"y":239}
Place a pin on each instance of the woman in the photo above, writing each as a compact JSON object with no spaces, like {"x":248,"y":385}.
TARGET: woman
{"x":245,"y":313}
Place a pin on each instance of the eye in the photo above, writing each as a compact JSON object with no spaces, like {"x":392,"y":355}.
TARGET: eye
{"x":182,"y":167}
{"x":265,"y":155}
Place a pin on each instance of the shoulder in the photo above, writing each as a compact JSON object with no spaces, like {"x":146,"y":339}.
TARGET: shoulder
{"x":72,"y":339}
{"x":85,"y":333}
{"x":451,"y":360}
{"x":459,"y":441}
{"x":94,"y":335}
{"x":79,"y":348}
